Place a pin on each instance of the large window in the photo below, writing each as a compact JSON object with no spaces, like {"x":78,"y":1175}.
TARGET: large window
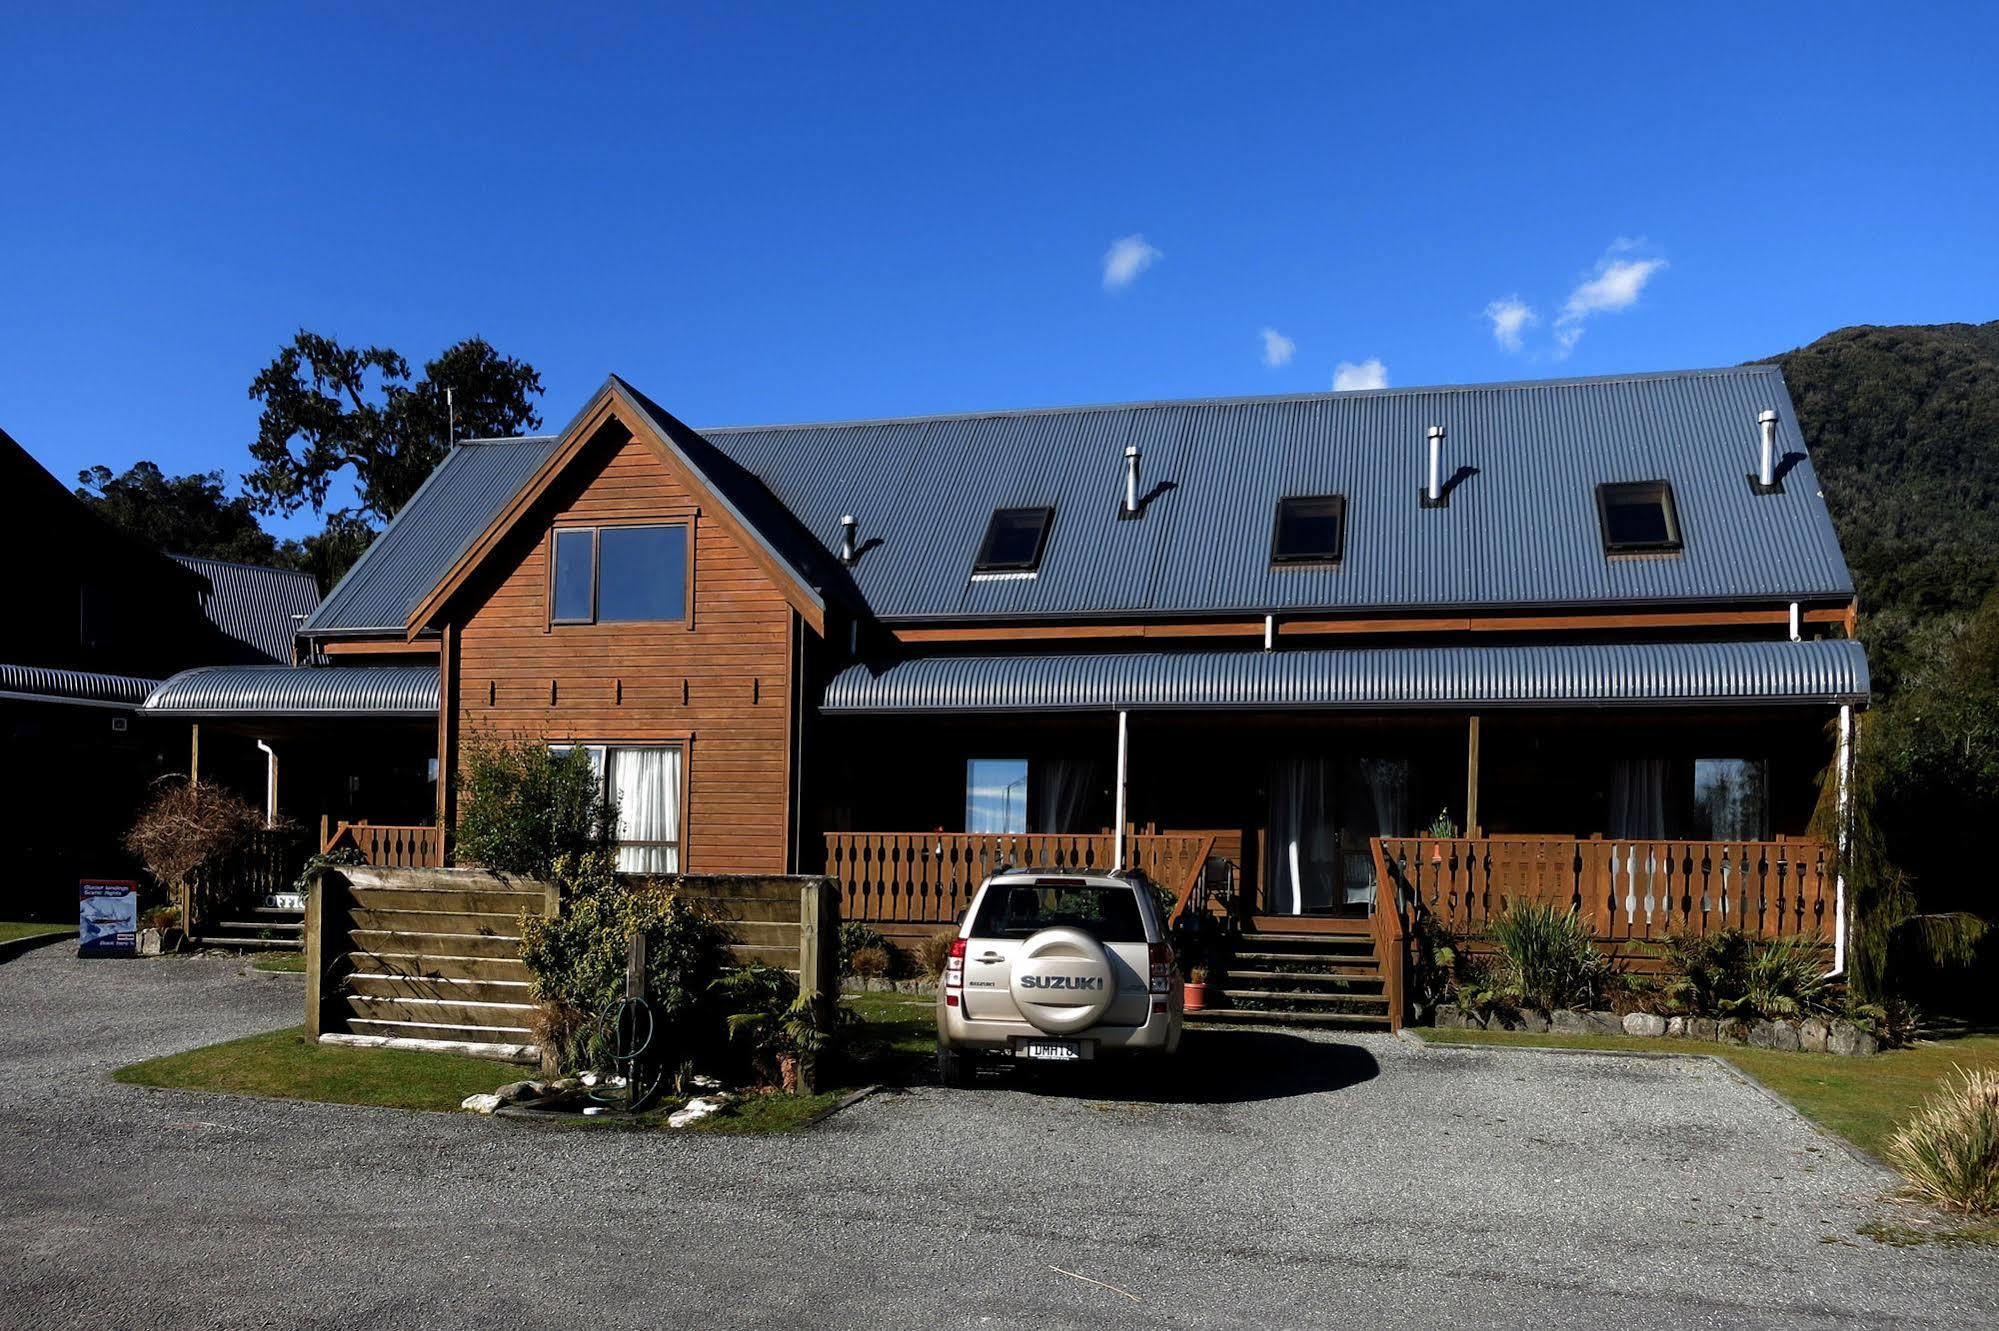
{"x":645,"y":782}
{"x":1310,"y":529}
{"x":996,"y":795}
{"x":1730,"y":801}
{"x":609,"y":575}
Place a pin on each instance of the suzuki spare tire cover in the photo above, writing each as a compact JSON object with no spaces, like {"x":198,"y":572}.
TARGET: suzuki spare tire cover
{"x":1062,"y":981}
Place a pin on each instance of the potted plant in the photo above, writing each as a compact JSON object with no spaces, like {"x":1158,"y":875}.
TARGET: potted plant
{"x":1195,"y":992}
{"x":1441,"y":828}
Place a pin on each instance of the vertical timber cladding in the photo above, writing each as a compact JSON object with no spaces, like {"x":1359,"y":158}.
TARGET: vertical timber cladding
{"x":718,"y":684}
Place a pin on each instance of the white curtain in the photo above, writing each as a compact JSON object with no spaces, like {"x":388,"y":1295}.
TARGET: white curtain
{"x":1304,"y":844}
{"x":645,"y":783}
{"x":1638,"y":798}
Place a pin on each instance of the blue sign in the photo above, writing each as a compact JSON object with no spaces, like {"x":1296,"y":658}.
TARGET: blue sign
{"x":107,"y":918}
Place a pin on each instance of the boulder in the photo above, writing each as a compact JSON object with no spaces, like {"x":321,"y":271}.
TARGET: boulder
{"x":1567,"y":1021}
{"x":1530,"y":1020}
{"x":516,"y":1091}
{"x":1812,"y":1033}
{"x":700,"y":1107}
{"x":1676,"y":1027}
{"x":1603,"y":1023}
{"x":1767,"y":1034}
{"x":1846,"y":1038}
{"x":1731,"y":1030}
{"x":1703,"y":1028}
{"x":1644,"y":1023}
{"x":482,"y":1104}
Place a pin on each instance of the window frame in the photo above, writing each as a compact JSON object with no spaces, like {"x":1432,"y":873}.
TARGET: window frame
{"x":595,"y":530}
{"x":602,"y":765}
{"x":1661,"y":491}
{"x":1279,"y":559}
{"x":982,"y":561}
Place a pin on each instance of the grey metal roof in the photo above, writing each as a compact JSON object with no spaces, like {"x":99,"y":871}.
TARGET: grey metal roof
{"x":450,"y":509}
{"x":1588,"y":675}
{"x":274,"y":690}
{"x":254,"y":604}
{"x":43,"y":684}
{"x":1521,"y":529}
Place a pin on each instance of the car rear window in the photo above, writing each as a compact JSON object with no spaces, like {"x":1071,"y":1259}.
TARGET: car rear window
{"x":1018,"y":910}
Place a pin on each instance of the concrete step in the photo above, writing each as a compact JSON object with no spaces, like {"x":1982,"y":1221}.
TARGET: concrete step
{"x":476,"y":1041}
{"x":1324,"y":1020}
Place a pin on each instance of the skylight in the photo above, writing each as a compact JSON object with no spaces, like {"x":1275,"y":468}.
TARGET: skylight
{"x":1638,"y":517}
{"x":1014,"y":540}
{"x":1310,"y":529}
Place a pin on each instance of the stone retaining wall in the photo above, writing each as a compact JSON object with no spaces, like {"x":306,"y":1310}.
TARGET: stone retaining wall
{"x":1812,"y":1035}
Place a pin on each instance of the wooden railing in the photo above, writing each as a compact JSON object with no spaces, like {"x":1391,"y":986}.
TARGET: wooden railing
{"x":387,"y":846}
{"x":266,"y":863}
{"x":1627,"y":890}
{"x":929,"y":877}
{"x":1391,"y":938}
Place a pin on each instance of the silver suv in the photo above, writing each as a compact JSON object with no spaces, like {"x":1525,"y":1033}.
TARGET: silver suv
{"x":1057,"y":967}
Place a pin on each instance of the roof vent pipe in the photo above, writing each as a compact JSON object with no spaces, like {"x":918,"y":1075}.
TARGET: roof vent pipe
{"x":1766,"y":475}
{"x":849,"y":551}
{"x":1797,"y":623}
{"x":1131,"y":481}
{"x":1435,"y":490}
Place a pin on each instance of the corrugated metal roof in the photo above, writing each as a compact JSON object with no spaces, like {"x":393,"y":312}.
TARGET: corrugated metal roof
{"x":254,"y":604}
{"x":1520,"y":528}
{"x":43,"y":684}
{"x":450,"y":509}
{"x":1587,"y":675}
{"x":273,"y":690}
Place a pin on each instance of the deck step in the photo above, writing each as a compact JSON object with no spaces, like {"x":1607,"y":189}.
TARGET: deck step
{"x":1247,"y":1017}
{"x":292,"y":926}
{"x":1311,"y":943}
{"x":1315,"y":961}
{"x":1252,"y":997}
{"x":241,"y":941}
{"x":1341,"y":975}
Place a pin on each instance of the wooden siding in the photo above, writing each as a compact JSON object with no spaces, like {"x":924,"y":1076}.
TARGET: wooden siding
{"x":717,"y":683}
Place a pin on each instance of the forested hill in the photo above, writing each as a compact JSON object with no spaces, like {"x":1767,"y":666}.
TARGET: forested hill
{"x":1903,"y":426}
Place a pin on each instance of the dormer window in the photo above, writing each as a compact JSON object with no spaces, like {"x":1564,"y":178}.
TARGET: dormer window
{"x":1310,"y":529}
{"x":1014,"y":541}
{"x":1638,"y":518}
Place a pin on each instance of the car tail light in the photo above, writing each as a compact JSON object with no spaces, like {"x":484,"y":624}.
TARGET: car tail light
{"x":954,"y":965}
{"x":1162,"y":967}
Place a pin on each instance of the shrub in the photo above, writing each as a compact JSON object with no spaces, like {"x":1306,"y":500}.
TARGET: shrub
{"x":188,"y":826}
{"x":1787,"y":978}
{"x":338,"y":857}
{"x":1729,"y":974}
{"x":522,"y":806}
{"x":161,"y":918}
{"x":856,"y":937}
{"x":1549,"y":960}
{"x":934,"y":951}
{"x":1949,"y":1150}
{"x":868,"y":963}
{"x":1710,"y":971}
{"x":578,"y":961}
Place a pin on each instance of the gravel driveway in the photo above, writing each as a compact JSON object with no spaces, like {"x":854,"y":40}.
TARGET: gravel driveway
{"x":1311,"y":1183}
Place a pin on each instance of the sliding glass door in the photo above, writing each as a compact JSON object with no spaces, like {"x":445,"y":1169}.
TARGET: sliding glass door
{"x":1324,"y":814}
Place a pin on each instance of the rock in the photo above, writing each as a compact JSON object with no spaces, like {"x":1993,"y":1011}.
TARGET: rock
{"x":1450,"y":1016}
{"x":482,"y":1104}
{"x":1676,"y":1027}
{"x":1731,"y":1030}
{"x":589,"y":1079}
{"x":696,"y":1109}
{"x":701,"y":1081}
{"x":1567,"y":1021}
{"x":1766,"y":1034}
{"x":1849,"y":1040}
{"x":1703,"y":1028}
{"x":516,"y":1091}
{"x":1531,"y":1020}
{"x":1812,"y":1033}
{"x":1604,"y":1023}
{"x":1644,"y":1023}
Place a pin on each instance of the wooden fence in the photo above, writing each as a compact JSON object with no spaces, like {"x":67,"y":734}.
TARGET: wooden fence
{"x":267,"y":863}
{"x":1627,"y":890}
{"x":387,"y":845}
{"x":930,"y":877}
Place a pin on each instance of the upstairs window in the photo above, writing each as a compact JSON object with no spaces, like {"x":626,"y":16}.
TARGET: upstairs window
{"x":619,"y":575}
{"x":1014,"y":540}
{"x":1638,"y":518}
{"x":1310,"y":529}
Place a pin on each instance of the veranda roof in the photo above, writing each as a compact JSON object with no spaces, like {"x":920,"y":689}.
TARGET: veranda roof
{"x":274,"y":690}
{"x":1830,"y":671}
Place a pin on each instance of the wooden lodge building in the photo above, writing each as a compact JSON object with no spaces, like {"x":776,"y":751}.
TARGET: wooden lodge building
{"x":1589,"y":640}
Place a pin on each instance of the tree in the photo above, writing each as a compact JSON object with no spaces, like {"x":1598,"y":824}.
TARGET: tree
{"x":328,"y":555}
{"x":329,"y":409}
{"x":182,"y":515}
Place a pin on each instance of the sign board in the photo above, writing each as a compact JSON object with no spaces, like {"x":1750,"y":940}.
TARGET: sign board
{"x":107,"y":917}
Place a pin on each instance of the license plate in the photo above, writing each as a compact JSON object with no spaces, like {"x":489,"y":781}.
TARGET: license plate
{"x":1060,"y":1051}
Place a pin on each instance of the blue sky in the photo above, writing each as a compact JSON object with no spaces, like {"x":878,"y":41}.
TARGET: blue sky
{"x":766,"y":215}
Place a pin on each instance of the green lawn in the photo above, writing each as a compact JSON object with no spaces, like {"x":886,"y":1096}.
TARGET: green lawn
{"x":285,"y":1063}
{"x":12,"y":929}
{"x":893,"y":1040}
{"x":286,"y":963}
{"x":1861,"y":1099}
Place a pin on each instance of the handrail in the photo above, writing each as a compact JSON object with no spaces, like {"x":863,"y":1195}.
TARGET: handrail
{"x":391,"y":845}
{"x":1197,"y":872}
{"x":1390,"y":936}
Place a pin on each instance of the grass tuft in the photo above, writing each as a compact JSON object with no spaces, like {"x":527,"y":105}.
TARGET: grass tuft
{"x":1949,"y":1149}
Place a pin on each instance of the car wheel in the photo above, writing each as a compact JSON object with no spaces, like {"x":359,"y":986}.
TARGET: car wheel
{"x":954,"y":1068}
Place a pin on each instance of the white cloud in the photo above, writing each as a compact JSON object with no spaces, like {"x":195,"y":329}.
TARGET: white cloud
{"x":1277,"y":348}
{"x":1126,"y":259}
{"x":1352,"y":378}
{"x":1510,"y":317}
{"x":1616,"y":285}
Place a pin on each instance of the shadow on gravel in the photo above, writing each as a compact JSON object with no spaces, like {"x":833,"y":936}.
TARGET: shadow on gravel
{"x":1212,"y":1068}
